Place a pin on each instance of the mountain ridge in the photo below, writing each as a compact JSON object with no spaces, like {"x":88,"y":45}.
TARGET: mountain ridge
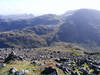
{"x":82,"y":26}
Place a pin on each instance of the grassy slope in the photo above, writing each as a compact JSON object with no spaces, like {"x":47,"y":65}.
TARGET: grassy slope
{"x":19,"y":65}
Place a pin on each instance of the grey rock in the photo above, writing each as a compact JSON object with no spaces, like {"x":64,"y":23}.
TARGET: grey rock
{"x":12,"y":70}
{"x":19,"y":73}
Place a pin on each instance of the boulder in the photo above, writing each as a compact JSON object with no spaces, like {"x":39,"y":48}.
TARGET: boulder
{"x":26,"y":70}
{"x":96,"y":71}
{"x":85,"y":72}
{"x":19,"y":73}
{"x":2,"y":65}
{"x":49,"y":71}
{"x":13,"y":56}
{"x":12,"y":70}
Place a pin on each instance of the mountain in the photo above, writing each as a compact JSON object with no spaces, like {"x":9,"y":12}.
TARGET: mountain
{"x":8,"y":25}
{"x":29,"y":37}
{"x":20,"y":39}
{"x":17,"y":16}
{"x":81,"y":27}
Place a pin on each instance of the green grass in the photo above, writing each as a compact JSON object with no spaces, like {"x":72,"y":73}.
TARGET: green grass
{"x":62,"y":49}
{"x":20,"y":65}
{"x":85,"y":66}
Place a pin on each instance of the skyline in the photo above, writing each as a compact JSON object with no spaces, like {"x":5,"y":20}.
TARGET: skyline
{"x":39,"y":7}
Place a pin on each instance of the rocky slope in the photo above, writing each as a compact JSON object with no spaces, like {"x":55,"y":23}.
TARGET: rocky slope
{"x":48,"y":61}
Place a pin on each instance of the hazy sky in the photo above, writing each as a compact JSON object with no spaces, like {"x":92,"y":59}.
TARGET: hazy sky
{"x":39,"y":7}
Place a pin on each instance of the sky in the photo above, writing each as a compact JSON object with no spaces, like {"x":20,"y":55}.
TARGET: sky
{"x":39,"y":7}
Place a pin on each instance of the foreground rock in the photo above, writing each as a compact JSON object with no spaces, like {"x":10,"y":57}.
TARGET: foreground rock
{"x":66,"y":63}
{"x":2,"y":65}
{"x":79,"y":66}
{"x":18,"y":72}
{"x":12,"y":70}
{"x":13,"y":56}
{"x":49,"y":71}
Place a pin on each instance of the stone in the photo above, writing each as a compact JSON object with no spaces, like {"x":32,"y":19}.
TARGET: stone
{"x":34,"y":63}
{"x":49,"y":71}
{"x":34,"y":70}
{"x":26,"y":70}
{"x":81,"y":62}
{"x":13,"y":56}
{"x":12,"y":70}
{"x":2,"y":65}
{"x":85,"y":72}
{"x":77,"y":73}
{"x":1,"y":59}
{"x":96,"y":71}
{"x":19,"y":73}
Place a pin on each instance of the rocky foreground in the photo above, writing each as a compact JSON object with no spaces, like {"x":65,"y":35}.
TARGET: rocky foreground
{"x":48,"y":62}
